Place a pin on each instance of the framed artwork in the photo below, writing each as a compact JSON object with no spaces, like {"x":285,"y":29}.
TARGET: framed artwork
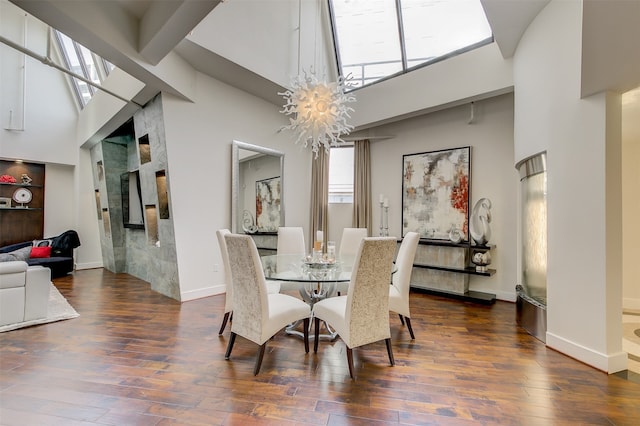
{"x":268,"y":195}
{"x":435,"y":193}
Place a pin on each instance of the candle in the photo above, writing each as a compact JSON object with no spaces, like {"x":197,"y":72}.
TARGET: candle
{"x":381,"y":198}
{"x":319,"y":236}
{"x":386,"y":202}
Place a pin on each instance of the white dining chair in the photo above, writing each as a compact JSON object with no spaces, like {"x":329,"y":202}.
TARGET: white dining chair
{"x":401,"y":279}
{"x":272,"y":286}
{"x":257,"y":314}
{"x":350,"y":241}
{"x":290,"y":241}
{"x":349,"y":244}
{"x":362,"y":316}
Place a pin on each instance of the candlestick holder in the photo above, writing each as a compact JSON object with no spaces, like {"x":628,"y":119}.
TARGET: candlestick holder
{"x":385,"y":229}
{"x":381,"y":219}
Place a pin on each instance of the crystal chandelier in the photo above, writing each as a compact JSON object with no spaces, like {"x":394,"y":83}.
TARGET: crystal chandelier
{"x":318,"y":110}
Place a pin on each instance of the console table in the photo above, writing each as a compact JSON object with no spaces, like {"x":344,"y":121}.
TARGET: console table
{"x":443,"y":268}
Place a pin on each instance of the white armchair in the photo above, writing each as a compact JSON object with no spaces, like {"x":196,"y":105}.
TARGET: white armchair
{"x":401,"y":280}
{"x":24,"y":292}
{"x":362,"y":316}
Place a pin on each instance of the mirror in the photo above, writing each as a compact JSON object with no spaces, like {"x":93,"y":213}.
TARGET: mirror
{"x":132,"y":216}
{"x":257,"y":205}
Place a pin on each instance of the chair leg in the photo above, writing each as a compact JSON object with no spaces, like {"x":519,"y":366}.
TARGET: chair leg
{"x":224,"y":322}
{"x":256,"y":369}
{"x":390,"y":352}
{"x":401,"y":319}
{"x":306,"y":335}
{"x":408,"y":320}
{"x":350,"y":362}
{"x":232,"y":340}
{"x":316,"y":321}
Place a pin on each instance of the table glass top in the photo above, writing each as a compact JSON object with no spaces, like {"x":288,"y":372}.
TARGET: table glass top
{"x":295,"y":267}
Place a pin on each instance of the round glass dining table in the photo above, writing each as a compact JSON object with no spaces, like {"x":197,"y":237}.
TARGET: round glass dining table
{"x":318,"y":279}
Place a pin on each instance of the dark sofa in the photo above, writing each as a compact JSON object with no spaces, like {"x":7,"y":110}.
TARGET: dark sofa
{"x":61,"y":260}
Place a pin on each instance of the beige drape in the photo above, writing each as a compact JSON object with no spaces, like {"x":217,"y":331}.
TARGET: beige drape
{"x":319,"y":196}
{"x":362,"y":185}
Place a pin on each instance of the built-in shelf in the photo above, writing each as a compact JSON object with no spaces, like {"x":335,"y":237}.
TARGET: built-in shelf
{"x":443,"y":268}
{"x":471,"y":270}
{"x":21,"y":221}
{"x":25,"y":185}
{"x":22,"y":208}
{"x":470,"y":296}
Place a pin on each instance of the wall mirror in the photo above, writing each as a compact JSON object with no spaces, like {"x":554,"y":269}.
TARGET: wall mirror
{"x":257,"y":204}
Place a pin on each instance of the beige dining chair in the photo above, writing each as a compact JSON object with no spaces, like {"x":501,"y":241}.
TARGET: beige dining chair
{"x":362,"y":316}
{"x":401,"y":279}
{"x":272,"y":286}
{"x":257,"y":314}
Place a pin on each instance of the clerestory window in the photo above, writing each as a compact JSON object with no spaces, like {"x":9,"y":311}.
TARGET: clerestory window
{"x":83,"y":62}
{"x":377,"y":39}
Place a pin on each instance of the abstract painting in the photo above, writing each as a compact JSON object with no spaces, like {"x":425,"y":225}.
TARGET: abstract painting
{"x":268,"y":204}
{"x":435,"y":193}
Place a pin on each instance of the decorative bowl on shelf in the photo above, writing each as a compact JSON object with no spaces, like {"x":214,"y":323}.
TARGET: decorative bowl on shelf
{"x":481,"y":260}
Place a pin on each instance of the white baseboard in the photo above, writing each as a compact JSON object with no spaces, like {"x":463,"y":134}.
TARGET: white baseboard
{"x":201,"y":292}
{"x":609,"y":363}
{"x":89,"y":265}
{"x":632,"y":304}
{"x":506,"y":296}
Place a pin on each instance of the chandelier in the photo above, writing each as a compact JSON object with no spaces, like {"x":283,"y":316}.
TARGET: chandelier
{"x":318,"y":110}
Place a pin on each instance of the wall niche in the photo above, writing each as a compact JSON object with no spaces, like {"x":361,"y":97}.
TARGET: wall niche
{"x":21,"y":201}
{"x":145,"y":149}
{"x":163,"y":195}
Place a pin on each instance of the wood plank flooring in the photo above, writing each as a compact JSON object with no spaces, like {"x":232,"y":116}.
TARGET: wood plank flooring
{"x":135,"y":357}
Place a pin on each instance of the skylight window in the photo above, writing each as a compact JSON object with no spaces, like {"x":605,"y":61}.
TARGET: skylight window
{"x":377,"y":39}
{"x":84,"y":63}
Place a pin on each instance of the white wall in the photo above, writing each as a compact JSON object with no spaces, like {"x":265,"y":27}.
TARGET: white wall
{"x":631,"y":200}
{"x":49,"y":127}
{"x":199,"y":137}
{"x":89,"y":254}
{"x":59,"y":199}
{"x":473,"y":75}
{"x":493,"y":174}
{"x":49,"y":134}
{"x":549,"y":115}
{"x":262,"y":36}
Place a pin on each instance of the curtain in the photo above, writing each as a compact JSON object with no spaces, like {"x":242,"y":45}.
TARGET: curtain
{"x":319,"y":196}
{"x":362,"y":185}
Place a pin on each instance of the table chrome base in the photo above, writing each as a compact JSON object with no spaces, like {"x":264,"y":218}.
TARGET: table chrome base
{"x":312,"y":293}
{"x":329,"y":335}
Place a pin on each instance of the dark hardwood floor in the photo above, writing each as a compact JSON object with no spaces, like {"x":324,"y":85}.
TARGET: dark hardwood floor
{"x":135,"y":357}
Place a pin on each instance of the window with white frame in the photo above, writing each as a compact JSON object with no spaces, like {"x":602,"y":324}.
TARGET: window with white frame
{"x":85,"y":63}
{"x":378,"y":39}
{"x":341,"y":174}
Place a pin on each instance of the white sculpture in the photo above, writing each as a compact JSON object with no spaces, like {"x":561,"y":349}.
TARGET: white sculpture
{"x":479,"y":223}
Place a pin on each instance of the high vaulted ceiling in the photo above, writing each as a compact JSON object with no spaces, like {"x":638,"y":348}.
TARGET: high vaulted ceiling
{"x":146,"y":39}
{"x":140,"y":36}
